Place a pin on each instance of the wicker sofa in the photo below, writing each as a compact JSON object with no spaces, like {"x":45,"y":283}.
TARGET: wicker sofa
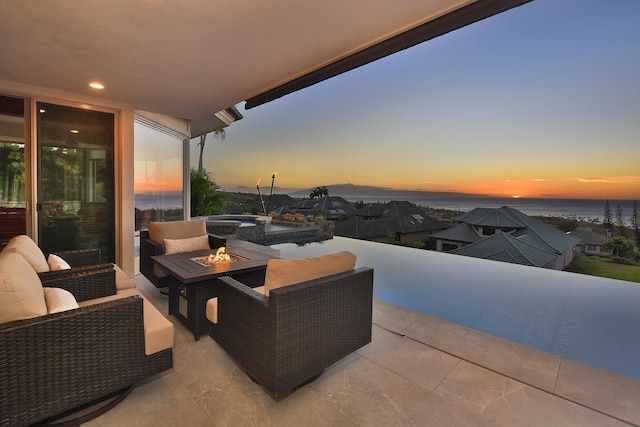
{"x":92,"y":340}
{"x":304,"y":319}
{"x":152,"y":242}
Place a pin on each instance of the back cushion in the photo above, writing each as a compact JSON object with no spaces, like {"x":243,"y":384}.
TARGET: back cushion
{"x":158,"y":231}
{"x":284,"y":272}
{"x":21,"y":293}
{"x":29,"y":250}
{"x":56,"y":263}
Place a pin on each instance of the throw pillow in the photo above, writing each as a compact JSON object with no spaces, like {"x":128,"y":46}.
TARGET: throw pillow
{"x":59,"y":300}
{"x":29,"y":250}
{"x":56,"y":263}
{"x":21,"y":295}
{"x":284,"y":272}
{"x":174,"y":246}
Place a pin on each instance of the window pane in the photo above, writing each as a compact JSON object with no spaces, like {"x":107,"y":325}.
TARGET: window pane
{"x":158,"y":176}
{"x":12,"y":172}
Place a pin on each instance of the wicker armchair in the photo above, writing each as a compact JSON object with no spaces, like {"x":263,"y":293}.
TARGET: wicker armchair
{"x":79,"y":260}
{"x":151,"y":244}
{"x":287,"y":339}
{"x":54,"y":364}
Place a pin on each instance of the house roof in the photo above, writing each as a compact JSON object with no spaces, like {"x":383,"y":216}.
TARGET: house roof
{"x":409,"y":218}
{"x":359,"y":228}
{"x":332,"y":207}
{"x":589,"y":237}
{"x":507,"y":248}
{"x":195,"y":58}
{"x":391,"y":218}
{"x":460,"y":233}
{"x":489,"y":217}
{"x":528,"y":230}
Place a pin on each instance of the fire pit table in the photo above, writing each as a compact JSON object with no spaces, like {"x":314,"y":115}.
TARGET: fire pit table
{"x":194,"y":277}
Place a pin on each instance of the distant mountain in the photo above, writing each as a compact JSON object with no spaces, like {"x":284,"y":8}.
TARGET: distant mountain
{"x":352,"y":190}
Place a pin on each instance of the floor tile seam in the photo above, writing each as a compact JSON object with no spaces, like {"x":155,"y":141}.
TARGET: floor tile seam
{"x":458,"y":359}
{"x":555,"y":393}
{"x":551,"y":393}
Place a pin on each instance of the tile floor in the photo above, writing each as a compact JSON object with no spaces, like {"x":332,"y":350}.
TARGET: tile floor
{"x":417,"y":371}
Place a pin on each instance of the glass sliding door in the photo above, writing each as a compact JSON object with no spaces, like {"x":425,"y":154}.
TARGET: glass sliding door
{"x":13,"y":218}
{"x":75,"y":179}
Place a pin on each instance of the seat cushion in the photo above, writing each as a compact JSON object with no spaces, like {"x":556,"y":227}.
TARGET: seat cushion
{"x":284,"y":272}
{"x":29,"y":250}
{"x":212,"y":306}
{"x":122,"y":280}
{"x":21,"y":293}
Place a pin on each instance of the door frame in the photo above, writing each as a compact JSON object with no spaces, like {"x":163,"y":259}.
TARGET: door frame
{"x":31,"y":163}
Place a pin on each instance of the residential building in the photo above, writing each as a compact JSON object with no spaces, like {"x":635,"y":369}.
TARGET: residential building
{"x":506,"y":234}
{"x":331,"y":207}
{"x":591,"y":243}
{"x":401,"y":221}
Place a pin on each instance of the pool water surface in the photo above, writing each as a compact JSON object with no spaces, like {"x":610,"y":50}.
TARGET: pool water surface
{"x":589,"y":319}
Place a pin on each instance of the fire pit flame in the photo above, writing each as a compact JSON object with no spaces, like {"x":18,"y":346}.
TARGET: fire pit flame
{"x":220,"y":256}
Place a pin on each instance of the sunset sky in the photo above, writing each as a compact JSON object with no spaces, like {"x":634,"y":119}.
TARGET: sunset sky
{"x":540,"y":101}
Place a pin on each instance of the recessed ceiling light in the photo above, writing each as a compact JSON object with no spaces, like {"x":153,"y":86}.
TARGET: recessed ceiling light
{"x":74,"y":131}
{"x":96,"y":85}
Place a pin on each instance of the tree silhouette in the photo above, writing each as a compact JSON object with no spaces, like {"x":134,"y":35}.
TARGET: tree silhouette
{"x":218,"y":133}
{"x":620,"y":219}
{"x":319,"y":192}
{"x":608,"y":221}
{"x":635,"y":222}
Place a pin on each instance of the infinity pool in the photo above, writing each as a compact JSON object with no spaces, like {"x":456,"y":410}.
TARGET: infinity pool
{"x":589,"y":319}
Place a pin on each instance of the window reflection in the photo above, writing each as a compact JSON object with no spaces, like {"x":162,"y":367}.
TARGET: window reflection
{"x":76,"y":199}
{"x":158,"y":176}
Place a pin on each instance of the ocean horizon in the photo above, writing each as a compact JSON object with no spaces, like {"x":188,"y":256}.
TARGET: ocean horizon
{"x":578,"y":209}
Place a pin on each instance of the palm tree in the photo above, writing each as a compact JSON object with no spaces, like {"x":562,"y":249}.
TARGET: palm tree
{"x":319,"y":192}
{"x":218,"y":133}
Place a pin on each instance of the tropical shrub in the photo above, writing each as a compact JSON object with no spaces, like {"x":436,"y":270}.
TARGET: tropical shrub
{"x":205,"y":197}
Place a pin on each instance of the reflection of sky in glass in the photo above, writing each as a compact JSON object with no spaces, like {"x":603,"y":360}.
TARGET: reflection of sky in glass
{"x":158,"y":161}
{"x":585,"y":318}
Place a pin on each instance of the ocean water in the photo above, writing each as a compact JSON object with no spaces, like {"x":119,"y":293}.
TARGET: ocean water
{"x":585,"y":209}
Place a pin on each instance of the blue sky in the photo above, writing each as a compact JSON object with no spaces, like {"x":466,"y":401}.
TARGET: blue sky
{"x":543,"y":100}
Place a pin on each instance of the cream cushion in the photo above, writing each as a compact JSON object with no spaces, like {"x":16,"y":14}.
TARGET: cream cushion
{"x":21,"y":294}
{"x":212,"y":306}
{"x":284,"y":272}
{"x":158,"y":330}
{"x":59,"y":300}
{"x":122,"y":280}
{"x":174,"y":246}
{"x":159,"y":231}
{"x":29,"y":250}
{"x":56,"y":263}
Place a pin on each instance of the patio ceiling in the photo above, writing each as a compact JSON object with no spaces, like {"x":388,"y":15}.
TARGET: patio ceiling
{"x":193,"y":58}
